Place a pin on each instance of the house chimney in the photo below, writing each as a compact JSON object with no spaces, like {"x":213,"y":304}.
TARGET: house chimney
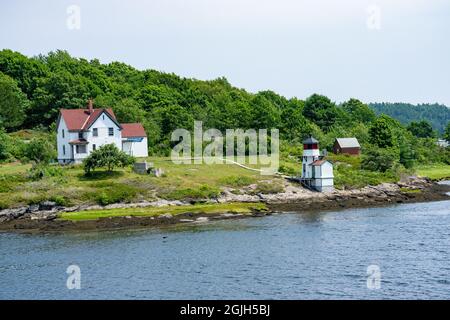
{"x":90,"y":106}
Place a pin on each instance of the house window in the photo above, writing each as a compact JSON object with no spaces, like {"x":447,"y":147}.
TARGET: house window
{"x":111,"y":132}
{"x":80,"y":135}
{"x":94,"y":147}
{"x":103,"y":117}
{"x":95,"y":132}
{"x":63,"y":133}
{"x":81,"y":148}
{"x":64,"y":147}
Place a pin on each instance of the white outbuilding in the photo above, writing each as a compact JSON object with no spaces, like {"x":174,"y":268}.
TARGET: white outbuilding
{"x":317,"y":173}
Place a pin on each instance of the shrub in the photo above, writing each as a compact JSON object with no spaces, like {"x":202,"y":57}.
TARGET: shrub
{"x":8,"y":182}
{"x":348,"y":177}
{"x":114,"y":193}
{"x":40,"y":170}
{"x":237,"y":181}
{"x":203,"y":192}
{"x":40,"y":150}
{"x":3,"y":205}
{"x":107,"y":156}
{"x":5,"y":146}
{"x":288,"y":170}
{"x":268,"y":188}
{"x":377,"y":159}
{"x":60,"y":200}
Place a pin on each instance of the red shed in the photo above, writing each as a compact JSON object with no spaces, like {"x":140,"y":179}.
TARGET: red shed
{"x":347,"y":146}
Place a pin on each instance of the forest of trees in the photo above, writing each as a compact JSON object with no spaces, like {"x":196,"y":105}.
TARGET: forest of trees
{"x":32,"y":90}
{"x":437,"y":115}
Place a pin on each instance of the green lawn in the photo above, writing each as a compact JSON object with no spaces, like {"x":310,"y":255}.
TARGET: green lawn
{"x":14,"y":168}
{"x":435,"y":172}
{"x":243,"y":208}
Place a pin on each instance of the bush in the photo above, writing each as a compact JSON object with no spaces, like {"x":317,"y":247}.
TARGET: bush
{"x":203,"y":192}
{"x":40,"y":170}
{"x":114,"y":193}
{"x":40,"y":150}
{"x":8,"y":182}
{"x":377,"y":159}
{"x":237,"y":181}
{"x":107,"y":156}
{"x":3,"y":205}
{"x":292,"y":169}
{"x":5,"y":146}
{"x":268,"y":188}
{"x":60,"y":200}
{"x":348,"y":177}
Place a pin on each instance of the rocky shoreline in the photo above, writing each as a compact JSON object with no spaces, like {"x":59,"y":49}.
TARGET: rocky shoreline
{"x":44,"y":216}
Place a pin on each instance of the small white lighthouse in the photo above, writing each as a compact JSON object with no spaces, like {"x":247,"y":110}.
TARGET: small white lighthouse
{"x":317,"y":173}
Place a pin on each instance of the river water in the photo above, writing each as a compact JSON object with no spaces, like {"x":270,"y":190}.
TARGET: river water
{"x":287,"y":256}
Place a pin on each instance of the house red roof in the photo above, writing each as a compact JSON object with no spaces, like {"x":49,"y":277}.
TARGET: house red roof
{"x":81,"y":119}
{"x":133,"y":130}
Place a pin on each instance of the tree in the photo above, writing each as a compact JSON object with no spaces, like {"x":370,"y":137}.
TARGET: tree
{"x":447,"y":132}
{"x":358,"y":111}
{"x":321,"y":111}
{"x":407,"y":155}
{"x":380,"y":133}
{"x":294,"y":125}
{"x":171,"y":118}
{"x":378,"y":159}
{"x":265,"y":114}
{"x":4,"y":146}
{"x":107,"y":156}
{"x":13,"y":103}
{"x":40,"y":150}
{"x":421,"y":129}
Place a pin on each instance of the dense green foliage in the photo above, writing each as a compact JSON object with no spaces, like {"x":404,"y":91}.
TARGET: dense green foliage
{"x":40,"y":150}
{"x":13,"y":103}
{"x":378,"y":159}
{"x":37,"y":87}
{"x":358,"y":111}
{"x":437,"y":115}
{"x":447,"y":132}
{"x":381,"y":133}
{"x":421,"y":129}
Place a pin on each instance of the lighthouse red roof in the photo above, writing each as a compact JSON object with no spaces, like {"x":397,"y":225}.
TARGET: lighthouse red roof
{"x":318,"y":162}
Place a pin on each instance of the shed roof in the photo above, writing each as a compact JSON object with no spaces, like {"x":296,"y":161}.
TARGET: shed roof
{"x":133,"y":130}
{"x":348,"y":142}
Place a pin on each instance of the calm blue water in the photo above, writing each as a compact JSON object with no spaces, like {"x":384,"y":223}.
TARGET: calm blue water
{"x":287,"y":256}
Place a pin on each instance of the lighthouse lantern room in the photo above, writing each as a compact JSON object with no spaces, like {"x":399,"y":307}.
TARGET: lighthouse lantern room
{"x":317,"y":173}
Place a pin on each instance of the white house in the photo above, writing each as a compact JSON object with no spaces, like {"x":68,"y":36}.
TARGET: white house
{"x":317,"y":173}
{"x":80,"y":131}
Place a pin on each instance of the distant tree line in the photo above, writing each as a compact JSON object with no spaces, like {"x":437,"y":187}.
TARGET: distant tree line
{"x":436,"y":114}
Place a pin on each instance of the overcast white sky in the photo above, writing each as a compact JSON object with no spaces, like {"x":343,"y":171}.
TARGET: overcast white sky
{"x":294,"y":47}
